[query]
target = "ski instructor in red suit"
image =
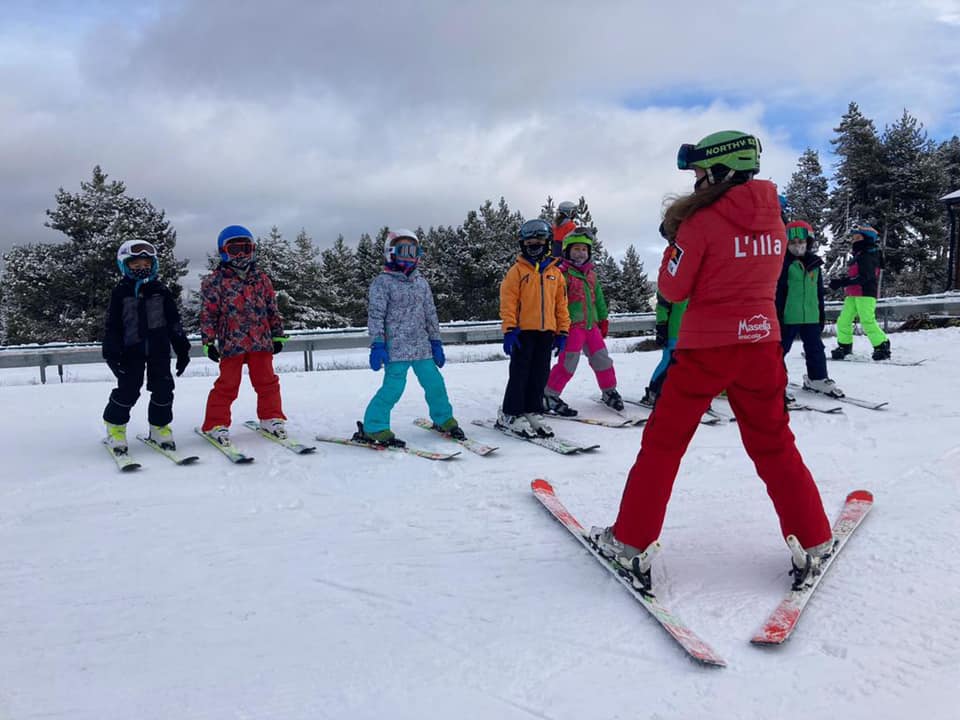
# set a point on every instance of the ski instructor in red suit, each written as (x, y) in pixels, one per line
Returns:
(726, 249)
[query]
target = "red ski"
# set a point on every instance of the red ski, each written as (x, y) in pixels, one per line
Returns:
(688, 640)
(784, 618)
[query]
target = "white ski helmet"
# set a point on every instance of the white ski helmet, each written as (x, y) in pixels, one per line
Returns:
(138, 248)
(389, 251)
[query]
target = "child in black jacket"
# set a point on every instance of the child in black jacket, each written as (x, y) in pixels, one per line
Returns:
(142, 325)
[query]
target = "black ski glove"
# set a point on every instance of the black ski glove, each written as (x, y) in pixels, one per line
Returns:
(661, 339)
(183, 360)
(211, 352)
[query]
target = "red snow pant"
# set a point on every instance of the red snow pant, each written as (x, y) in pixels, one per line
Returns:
(226, 388)
(755, 378)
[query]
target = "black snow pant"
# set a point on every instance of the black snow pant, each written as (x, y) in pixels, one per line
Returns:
(529, 371)
(130, 380)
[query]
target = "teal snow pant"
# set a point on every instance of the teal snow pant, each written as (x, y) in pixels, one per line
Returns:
(377, 416)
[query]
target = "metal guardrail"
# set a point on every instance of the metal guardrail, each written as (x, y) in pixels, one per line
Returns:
(457, 333)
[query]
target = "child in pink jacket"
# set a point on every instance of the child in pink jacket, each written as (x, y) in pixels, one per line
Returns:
(588, 327)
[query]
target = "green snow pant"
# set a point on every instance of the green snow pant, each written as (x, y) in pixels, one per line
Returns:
(377, 416)
(866, 309)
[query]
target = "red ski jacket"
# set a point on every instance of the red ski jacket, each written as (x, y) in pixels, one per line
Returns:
(726, 260)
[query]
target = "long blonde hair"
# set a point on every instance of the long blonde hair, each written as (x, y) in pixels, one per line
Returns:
(680, 207)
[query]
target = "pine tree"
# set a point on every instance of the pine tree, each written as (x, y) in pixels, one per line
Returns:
(69, 301)
(909, 218)
(807, 192)
(860, 171)
(339, 264)
(635, 287)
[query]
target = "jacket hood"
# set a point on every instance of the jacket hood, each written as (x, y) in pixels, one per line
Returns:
(863, 246)
(753, 205)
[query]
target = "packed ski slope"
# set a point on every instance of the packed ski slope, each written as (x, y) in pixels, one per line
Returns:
(354, 584)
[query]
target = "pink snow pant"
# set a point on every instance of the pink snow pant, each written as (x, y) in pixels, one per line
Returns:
(591, 343)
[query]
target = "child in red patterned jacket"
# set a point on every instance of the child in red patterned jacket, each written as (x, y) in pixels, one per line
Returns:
(239, 323)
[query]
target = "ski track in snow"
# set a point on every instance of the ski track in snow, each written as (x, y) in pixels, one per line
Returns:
(350, 584)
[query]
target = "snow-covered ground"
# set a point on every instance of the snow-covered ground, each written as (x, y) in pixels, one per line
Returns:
(353, 584)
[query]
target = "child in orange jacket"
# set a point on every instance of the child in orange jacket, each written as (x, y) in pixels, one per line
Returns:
(536, 320)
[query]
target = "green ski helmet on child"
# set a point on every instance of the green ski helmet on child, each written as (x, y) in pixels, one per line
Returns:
(579, 235)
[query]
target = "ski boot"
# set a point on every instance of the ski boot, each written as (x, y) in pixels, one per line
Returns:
(649, 397)
(162, 435)
(841, 351)
(452, 428)
(554, 405)
(611, 398)
(538, 425)
(826, 386)
(116, 438)
(807, 563)
(381, 437)
(220, 434)
(515, 424)
(276, 427)
(882, 351)
(634, 561)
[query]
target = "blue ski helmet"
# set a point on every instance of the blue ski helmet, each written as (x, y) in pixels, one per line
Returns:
(231, 232)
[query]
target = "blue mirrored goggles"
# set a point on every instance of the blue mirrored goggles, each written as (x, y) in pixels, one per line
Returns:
(406, 251)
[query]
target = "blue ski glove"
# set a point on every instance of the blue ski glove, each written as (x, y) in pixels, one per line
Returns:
(436, 347)
(378, 355)
(559, 343)
(511, 340)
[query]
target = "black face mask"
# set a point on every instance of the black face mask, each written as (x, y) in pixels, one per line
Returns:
(141, 273)
(534, 252)
(241, 263)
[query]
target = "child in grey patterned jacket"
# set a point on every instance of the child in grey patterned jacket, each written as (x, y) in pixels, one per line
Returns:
(405, 333)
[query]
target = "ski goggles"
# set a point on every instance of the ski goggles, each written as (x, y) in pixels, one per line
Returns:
(535, 230)
(797, 233)
(406, 250)
(688, 154)
(143, 249)
(238, 246)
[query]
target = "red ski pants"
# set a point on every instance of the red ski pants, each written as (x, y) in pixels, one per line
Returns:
(226, 388)
(755, 379)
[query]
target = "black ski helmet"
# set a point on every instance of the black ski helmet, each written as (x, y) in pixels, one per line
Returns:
(536, 229)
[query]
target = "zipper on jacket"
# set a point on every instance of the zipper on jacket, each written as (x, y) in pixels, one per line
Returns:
(543, 312)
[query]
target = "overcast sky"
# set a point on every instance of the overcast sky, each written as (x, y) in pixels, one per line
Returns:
(344, 116)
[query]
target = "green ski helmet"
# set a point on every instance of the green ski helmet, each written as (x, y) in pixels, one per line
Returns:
(729, 155)
(579, 234)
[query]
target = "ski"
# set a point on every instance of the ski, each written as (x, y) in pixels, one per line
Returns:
(233, 455)
(122, 457)
(472, 445)
(720, 416)
(782, 621)
(558, 445)
(171, 454)
(799, 407)
(629, 417)
(289, 443)
(688, 640)
(428, 454)
(868, 404)
(592, 421)
(707, 418)
(870, 361)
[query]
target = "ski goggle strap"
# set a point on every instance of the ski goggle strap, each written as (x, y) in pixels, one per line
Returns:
(798, 232)
(688, 154)
(143, 249)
